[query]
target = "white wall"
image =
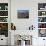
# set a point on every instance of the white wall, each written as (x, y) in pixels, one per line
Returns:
(32, 6)
(23, 24)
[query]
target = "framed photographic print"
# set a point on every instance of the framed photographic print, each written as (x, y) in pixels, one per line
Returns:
(23, 14)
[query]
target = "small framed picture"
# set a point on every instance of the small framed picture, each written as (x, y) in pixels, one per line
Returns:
(23, 14)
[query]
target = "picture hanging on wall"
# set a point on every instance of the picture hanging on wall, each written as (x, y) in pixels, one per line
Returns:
(23, 14)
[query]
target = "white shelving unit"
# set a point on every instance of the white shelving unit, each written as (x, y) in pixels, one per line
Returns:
(4, 23)
(42, 18)
(4, 19)
(4, 12)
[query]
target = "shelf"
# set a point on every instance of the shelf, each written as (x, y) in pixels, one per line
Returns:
(3, 22)
(41, 22)
(42, 16)
(3, 10)
(41, 10)
(4, 19)
(42, 19)
(41, 28)
(3, 16)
